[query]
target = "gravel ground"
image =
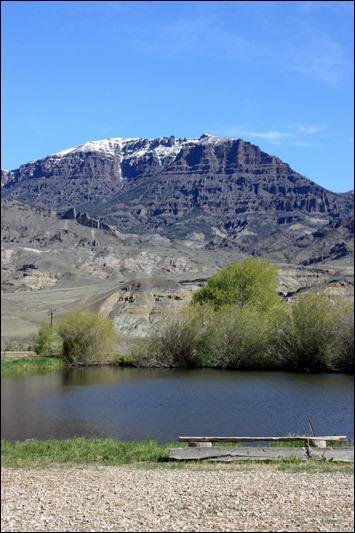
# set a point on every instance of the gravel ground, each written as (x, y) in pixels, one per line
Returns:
(126, 498)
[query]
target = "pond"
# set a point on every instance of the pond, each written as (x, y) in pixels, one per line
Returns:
(134, 404)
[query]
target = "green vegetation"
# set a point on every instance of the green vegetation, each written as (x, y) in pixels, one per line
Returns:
(42, 453)
(14, 346)
(80, 450)
(88, 338)
(47, 341)
(240, 338)
(300, 444)
(179, 340)
(79, 338)
(29, 365)
(237, 321)
(306, 340)
(242, 324)
(343, 337)
(313, 334)
(123, 360)
(313, 466)
(250, 282)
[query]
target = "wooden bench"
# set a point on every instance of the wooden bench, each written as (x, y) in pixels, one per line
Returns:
(320, 442)
(314, 446)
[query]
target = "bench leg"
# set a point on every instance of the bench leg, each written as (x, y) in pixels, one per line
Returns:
(200, 444)
(318, 443)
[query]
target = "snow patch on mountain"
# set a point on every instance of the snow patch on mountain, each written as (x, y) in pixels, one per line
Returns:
(137, 147)
(111, 146)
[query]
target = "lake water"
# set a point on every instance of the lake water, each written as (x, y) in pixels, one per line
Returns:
(134, 404)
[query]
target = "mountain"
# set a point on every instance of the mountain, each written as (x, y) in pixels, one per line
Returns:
(51, 262)
(131, 226)
(5, 177)
(176, 185)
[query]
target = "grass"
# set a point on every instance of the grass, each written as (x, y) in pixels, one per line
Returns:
(82, 451)
(146, 454)
(291, 465)
(29, 365)
(124, 360)
(300, 444)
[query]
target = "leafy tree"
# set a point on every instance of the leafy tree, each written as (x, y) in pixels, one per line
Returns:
(239, 338)
(47, 341)
(178, 340)
(343, 336)
(306, 335)
(88, 338)
(311, 334)
(251, 282)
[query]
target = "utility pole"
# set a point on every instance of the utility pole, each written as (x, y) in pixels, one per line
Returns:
(51, 316)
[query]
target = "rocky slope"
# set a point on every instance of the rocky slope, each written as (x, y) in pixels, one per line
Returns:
(132, 226)
(62, 263)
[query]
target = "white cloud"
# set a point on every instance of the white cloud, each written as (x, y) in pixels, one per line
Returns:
(269, 135)
(317, 56)
(309, 129)
(293, 135)
(309, 52)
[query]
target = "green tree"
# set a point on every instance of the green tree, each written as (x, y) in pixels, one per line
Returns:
(343, 336)
(88, 338)
(306, 335)
(47, 341)
(251, 282)
(178, 340)
(239, 338)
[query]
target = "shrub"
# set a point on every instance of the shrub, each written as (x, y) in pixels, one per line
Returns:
(343, 336)
(47, 341)
(240, 338)
(88, 338)
(251, 282)
(311, 334)
(14, 346)
(179, 340)
(200, 335)
(305, 337)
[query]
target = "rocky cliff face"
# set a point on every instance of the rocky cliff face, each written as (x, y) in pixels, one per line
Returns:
(176, 186)
(5, 177)
(217, 193)
(77, 226)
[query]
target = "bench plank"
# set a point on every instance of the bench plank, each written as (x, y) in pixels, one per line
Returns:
(338, 438)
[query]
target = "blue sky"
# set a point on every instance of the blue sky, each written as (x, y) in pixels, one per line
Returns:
(279, 74)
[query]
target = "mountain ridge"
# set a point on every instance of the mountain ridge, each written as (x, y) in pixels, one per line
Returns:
(227, 191)
(136, 156)
(108, 145)
(133, 237)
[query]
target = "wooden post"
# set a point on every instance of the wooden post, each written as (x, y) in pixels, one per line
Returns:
(311, 427)
(316, 443)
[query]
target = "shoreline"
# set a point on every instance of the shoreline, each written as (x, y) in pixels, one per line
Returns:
(34, 453)
(31, 364)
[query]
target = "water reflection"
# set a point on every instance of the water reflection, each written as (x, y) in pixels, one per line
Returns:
(163, 404)
(90, 376)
